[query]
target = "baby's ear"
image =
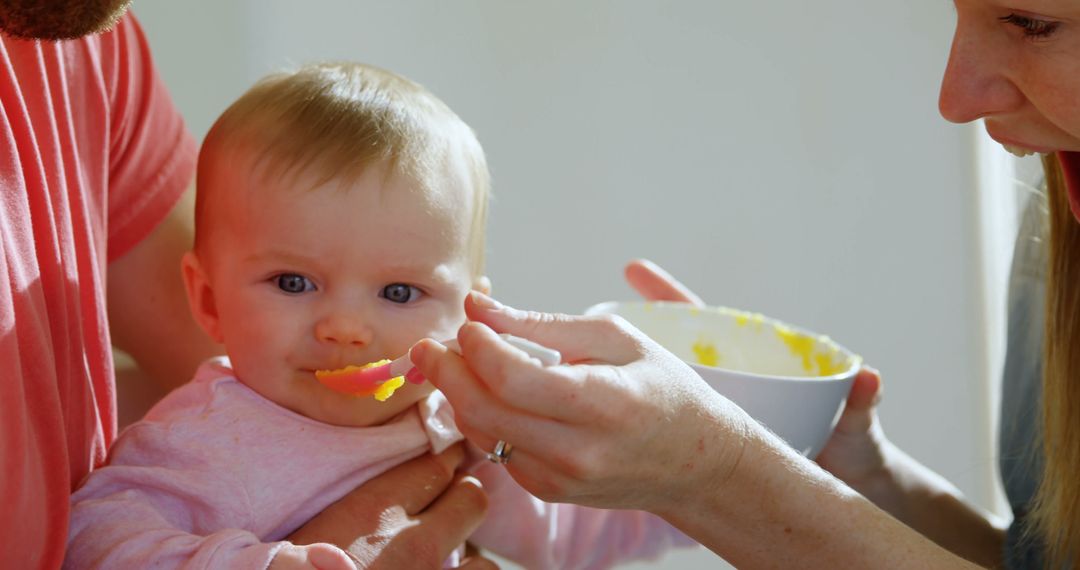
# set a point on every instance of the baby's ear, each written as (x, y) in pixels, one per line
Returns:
(201, 296)
(482, 284)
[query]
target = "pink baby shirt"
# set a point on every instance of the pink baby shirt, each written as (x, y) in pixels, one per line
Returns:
(215, 475)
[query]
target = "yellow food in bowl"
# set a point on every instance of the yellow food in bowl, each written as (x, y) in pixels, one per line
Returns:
(815, 361)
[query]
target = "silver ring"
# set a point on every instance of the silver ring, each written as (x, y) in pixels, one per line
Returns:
(501, 454)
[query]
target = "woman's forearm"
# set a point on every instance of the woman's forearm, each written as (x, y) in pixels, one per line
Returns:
(924, 500)
(775, 509)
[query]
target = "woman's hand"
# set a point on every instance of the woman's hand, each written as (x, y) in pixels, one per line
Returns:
(857, 448)
(412, 516)
(627, 425)
(655, 284)
(855, 453)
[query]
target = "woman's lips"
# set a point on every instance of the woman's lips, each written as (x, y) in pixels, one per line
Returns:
(1017, 147)
(1072, 180)
(1018, 151)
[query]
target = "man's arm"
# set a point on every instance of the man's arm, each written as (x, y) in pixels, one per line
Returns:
(412, 516)
(149, 317)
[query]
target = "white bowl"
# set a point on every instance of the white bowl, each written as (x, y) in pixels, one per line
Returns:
(792, 381)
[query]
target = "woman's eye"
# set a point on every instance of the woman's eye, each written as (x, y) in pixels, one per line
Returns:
(400, 293)
(1032, 28)
(293, 283)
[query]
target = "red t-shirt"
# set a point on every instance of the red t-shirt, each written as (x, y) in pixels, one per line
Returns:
(93, 155)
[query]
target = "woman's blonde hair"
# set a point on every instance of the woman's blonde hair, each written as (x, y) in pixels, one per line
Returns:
(337, 120)
(1057, 503)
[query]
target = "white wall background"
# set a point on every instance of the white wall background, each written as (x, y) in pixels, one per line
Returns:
(785, 157)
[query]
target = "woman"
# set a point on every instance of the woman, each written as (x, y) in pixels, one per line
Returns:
(631, 426)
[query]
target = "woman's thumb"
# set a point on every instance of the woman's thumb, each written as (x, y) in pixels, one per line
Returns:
(866, 391)
(577, 338)
(538, 327)
(864, 397)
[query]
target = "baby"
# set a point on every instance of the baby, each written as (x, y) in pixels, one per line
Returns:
(340, 219)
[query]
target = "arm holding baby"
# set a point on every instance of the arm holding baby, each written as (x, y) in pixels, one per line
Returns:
(176, 494)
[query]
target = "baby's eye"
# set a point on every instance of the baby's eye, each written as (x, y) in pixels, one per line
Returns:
(400, 293)
(293, 283)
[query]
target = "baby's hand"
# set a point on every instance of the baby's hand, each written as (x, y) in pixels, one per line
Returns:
(318, 556)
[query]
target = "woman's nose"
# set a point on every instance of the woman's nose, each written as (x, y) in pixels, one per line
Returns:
(345, 328)
(976, 84)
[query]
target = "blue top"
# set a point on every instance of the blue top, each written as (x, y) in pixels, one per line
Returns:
(1020, 446)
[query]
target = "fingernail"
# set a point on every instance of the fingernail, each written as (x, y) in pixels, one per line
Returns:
(414, 376)
(469, 479)
(484, 302)
(417, 354)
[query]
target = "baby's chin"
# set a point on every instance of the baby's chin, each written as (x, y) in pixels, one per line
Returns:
(363, 411)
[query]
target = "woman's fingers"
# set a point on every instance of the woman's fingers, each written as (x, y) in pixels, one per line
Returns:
(655, 284)
(516, 378)
(506, 413)
(604, 338)
(542, 444)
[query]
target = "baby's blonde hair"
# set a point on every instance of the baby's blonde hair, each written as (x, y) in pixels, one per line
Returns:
(337, 120)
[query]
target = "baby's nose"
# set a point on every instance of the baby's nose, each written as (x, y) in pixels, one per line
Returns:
(344, 329)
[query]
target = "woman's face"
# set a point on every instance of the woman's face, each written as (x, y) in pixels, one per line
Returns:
(1016, 64)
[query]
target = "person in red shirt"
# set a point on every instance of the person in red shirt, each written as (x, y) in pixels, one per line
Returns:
(95, 214)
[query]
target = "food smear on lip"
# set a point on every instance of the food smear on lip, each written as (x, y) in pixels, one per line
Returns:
(388, 388)
(344, 380)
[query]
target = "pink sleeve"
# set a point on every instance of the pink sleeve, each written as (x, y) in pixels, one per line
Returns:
(152, 155)
(128, 532)
(147, 507)
(538, 535)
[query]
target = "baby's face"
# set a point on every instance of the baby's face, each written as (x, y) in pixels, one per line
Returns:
(307, 280)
